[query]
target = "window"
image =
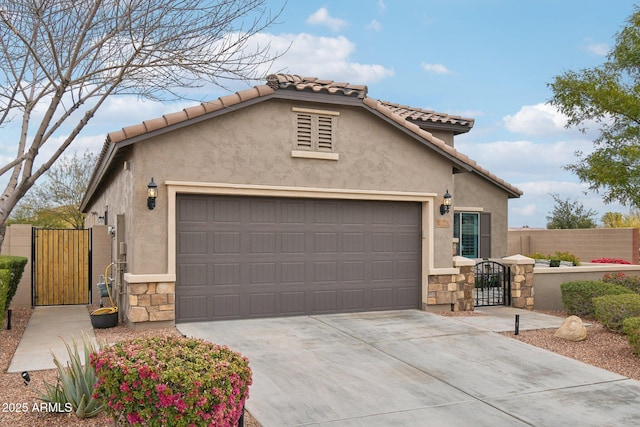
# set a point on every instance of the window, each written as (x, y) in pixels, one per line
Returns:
(473, 231)
(315, 134)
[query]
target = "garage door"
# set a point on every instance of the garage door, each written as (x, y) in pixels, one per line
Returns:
(242, 257)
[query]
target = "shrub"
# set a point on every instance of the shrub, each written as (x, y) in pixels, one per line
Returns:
(5, 282)
(610, 261)
(75, 383)
(611, 310)
(631, 328)
(621, 279)
(11, 269)
(577, 296)
(172, 381)
(558, 256)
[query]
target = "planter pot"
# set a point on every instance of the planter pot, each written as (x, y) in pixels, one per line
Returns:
(102, 321)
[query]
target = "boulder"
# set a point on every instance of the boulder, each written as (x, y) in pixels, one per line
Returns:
(572, 329)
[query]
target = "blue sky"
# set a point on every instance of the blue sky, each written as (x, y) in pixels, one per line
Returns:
(490, 60)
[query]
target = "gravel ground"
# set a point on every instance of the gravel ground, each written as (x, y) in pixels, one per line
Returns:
(602, 348)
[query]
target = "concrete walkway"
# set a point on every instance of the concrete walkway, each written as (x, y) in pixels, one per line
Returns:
(415, 368)
(46, 332)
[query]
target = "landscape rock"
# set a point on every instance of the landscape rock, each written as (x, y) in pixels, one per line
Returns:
(572, 329)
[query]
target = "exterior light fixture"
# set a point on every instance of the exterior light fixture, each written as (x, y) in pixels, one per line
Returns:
(152, 194)
(446, 203)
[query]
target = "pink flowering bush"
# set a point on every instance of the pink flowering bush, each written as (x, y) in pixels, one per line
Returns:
(610, 261)
(172, 381)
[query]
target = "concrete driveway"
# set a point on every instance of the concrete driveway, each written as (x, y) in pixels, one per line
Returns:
(415, 368)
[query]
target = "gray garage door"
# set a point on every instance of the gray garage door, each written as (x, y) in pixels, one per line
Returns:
(243, 257)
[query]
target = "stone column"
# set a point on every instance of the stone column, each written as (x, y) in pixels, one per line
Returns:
(452, 289)
(522, 289)
(151, 305)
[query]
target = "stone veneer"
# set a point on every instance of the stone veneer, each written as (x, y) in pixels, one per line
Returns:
(151, 302)
(522, 293)
(455, 289)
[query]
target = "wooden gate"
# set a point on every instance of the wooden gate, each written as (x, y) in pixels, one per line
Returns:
(61, 267)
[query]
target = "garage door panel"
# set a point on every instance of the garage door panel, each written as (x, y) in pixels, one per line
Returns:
(353, 299)
(325, 301)
(353, 271)
(292, 303)
(382, 242)
(225, 306)
(272, 257)
(226, 274)
(225, 210)
(383, 298)
(325, 242)
(191, 308)
(263, 272)
(193, 274)
(293, 243)
(262, 304)
(226, 242)
(293, 272)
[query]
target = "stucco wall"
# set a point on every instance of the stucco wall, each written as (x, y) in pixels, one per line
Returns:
(253, 146)
(474, 194)
(17, 242)
(548, 280)
(117, 198)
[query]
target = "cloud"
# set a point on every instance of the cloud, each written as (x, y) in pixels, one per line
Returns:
(324, 57)
(322, 17)
(374, 26)
(527, 210)
(538, 120)
(598, 49)
(435, 68)
(523, 160)
(381, 5)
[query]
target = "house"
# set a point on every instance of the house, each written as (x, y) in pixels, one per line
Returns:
(300, 196)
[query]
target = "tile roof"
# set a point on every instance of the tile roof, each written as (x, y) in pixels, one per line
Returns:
(404, 116)
(420, 115)
(313, 84)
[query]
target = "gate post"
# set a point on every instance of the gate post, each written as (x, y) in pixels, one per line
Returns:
(522, 289)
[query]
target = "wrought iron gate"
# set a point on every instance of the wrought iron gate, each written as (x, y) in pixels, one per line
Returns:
(61, 266)
(492, 284)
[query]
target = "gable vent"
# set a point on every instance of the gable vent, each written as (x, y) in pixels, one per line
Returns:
(325, 133)
(304, 132)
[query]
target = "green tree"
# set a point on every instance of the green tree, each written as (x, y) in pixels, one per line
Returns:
(54, 202)
(60, 60)
(619, 220)
(570, 214)
(608, 96)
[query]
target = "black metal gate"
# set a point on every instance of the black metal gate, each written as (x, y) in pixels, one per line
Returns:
(492, 284)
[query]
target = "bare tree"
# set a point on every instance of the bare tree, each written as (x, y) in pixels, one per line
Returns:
(61, 59)
(54, 201)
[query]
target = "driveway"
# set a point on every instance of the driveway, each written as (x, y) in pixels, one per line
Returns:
(415, 368)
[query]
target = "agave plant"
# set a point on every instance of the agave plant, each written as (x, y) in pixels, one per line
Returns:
(75, 382)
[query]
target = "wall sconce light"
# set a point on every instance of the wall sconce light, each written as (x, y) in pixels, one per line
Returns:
(446, 203)
(152, 194)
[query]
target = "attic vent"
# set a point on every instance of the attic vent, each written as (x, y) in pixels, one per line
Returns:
(315, 130)
(304, 132)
